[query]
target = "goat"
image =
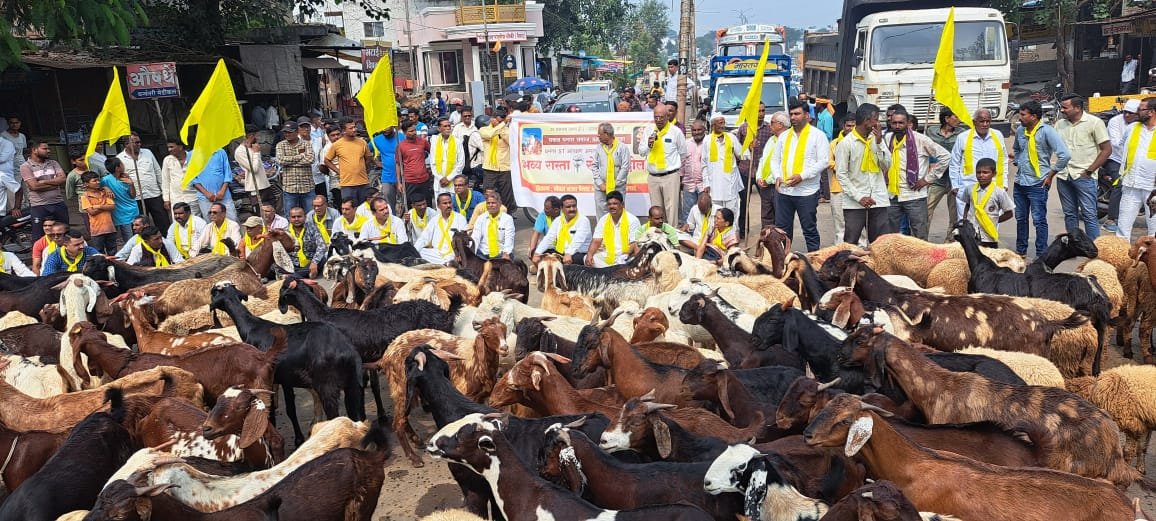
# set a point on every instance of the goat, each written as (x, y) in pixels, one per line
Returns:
(492, 275)
(613, 285)
(32, 298)
(533, 335)
(633, 374)
(126, 276)
(27, 450)
(35, 378)
(737, 345)
(32, 340)
(1027, 494)
(149, 340)
(319, 357)
(743, 396)
(481, 446)
(762, 479)
(640, 426)
(551, 276)
(246, 437)
(881, 501)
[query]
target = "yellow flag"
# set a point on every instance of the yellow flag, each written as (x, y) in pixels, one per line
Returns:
(112, 122)
(943, 85)
(750, 112)
(378, 99)
(218, 120)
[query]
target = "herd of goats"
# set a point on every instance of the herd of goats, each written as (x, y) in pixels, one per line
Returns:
(909, 381)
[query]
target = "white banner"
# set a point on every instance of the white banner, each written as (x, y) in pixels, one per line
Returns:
(553, 153)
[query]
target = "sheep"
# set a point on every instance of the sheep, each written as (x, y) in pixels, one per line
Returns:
(188, 294)
(1114, 250)
(1128, 394)
(439, 291)
(1034, 369)
(896, 254)
(1105, 274)
(35, 378)
(551, 275)
(452, 515)
(473, 373)
(13, 319)
(1139, 301)
(201, 319)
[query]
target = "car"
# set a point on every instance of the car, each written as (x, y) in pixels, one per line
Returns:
(596, 101)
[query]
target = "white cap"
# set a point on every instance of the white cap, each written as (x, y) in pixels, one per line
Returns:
(1132, 105)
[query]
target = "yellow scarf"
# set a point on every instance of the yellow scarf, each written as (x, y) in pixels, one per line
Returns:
(321, 228)
(250, 245)
(386, 233)
(219, 233)
(1033, 152)
(493, 245)
(729, 160)
(718, 238)
(980, 208)
(183, 248)
(440, 163)
(564, 237)
(444, 243)
(1133, 144)
(492, 155)
(868, 164)
(302, 260)
(355, 226)
(159, 259)
(51, 247)
(765, 171)
(610, 164)
(418, 222)
(800, 151)
(615, 245)
(969, 157)
(657, 154)
(464, 207)
(72, 265)
(893, 172)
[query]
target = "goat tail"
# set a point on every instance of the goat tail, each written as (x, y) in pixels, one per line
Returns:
(378, 435)
(115, 397)
(456, 302)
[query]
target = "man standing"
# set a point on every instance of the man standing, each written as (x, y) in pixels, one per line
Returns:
(610, 245)
(838, 224)
(435, 244)
(1111, 170)
(753, 158)
(665, 150)
(825, 121)
(385, 143)
(910, 170)
(448, 157)
(412, 154)
(145, 171)
(496, 164)
(858, 172)
(212, 184)
(311, 248)
(568, 236)
(384, 227)
(173, 174)
(185, 230)
(1034, 145)
(349, 156)
(494, 232)
(721, 177)
(322, 217)
(801, 155)
(1128, 75)
(1086, 137)
(692, 184)
(296, 158)
(43, 177)
(611, 166)
(971, 146)
(1138, 175)
(153, 250)
(764, 179)
(305, 132)
(17, 138)
(221, 235)
(8, 172)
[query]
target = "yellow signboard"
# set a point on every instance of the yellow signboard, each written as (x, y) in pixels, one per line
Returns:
(748, 65)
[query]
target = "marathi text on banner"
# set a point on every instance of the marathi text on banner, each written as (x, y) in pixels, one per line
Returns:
(152, 80)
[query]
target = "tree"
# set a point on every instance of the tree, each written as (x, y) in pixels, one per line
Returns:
(586, 25)
(1061, 14)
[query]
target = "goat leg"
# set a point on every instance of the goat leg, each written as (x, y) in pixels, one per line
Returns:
(1124, 335)
(1147, 324)
(375, 386)
(1143, 451)
(407, 438)
(291, 411)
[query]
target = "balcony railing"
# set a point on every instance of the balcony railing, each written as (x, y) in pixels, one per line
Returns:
(493, 14)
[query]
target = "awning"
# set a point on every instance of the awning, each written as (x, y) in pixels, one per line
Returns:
(69, 60)
(321, 63)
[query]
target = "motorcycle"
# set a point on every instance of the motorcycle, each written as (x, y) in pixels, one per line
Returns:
(14, 237)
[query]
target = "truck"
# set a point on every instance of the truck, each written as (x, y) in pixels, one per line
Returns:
(884, 53)
(732, 70)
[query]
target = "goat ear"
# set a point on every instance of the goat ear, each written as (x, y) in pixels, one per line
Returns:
(661, 437)
(557, 358)
(420, 358)
(724, 399)
(857, 435)
(536, 378)
(255, 423)
(789, 303)
(842, 316)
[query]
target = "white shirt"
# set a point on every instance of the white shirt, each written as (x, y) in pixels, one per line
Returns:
(19, 141)
(208, 238)
(125, 249)
(13, 265)
(481, 234)
(364, 210)
(7, 157)
(1116, 128)
(580, 236)
(195, 225)
(925, 148)
(318, 143)
(671, 90)
(633, 227)
(279, 223)
(1128, 73)
(148, 184)
(372, 231)
(764, 171)
(448, 171)
(172, 174)
(349, 229)
(816, 158)
(983, 147)
(418, 228)
(674, 149)
(434, 244)
(724, 186)
(1142, 173)
(169, 250)
(697, 221)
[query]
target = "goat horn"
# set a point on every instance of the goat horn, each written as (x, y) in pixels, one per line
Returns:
(807, 371)
(651, 407)
(872, 408)
(576, 423)
(648, 397)
(867, 494)
(828, 385)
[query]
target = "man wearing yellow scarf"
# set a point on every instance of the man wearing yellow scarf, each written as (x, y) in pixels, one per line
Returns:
(494, 232)
(446, 157)
(865, 197)
(384, 227)
(664, 148)
(912, 162)
(185, 230)
(613, 234)
(350, 221)
(611, 166)
(1034, 145)
(720, 172)
(153, 250)
(311, 248)
(971, 146)
(436, 243)
(323, 217)
(496, 151)
(1138, 173)
(70, 256)
(798, 160)
(218, 233)
(569, 234)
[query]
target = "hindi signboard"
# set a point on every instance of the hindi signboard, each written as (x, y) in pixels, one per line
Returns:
(370, 55)
(152, 80)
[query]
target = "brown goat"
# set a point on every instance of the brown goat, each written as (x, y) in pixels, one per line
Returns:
(650, 324)
(878, 501)
(217, 367)
(632, 373)
(1073, 435)
(938, 481)
(641, 420)
(473, 369)
(551, 277)
(27, 451)
(176, 420)
(149, 340)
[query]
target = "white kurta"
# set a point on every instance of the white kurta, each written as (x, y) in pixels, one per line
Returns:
(188, 234)
(434, 244)
(481, 234)
(633, 227)
(580, 236)
(372, 231)
(441, 146)
(724, 186)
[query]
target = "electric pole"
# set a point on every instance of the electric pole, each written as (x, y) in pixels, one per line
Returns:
(412, 51)
(685, 40)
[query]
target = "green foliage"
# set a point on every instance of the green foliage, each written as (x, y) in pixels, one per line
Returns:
(582, 25)
(96, 22)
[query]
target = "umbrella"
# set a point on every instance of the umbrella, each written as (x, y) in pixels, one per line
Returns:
(529, 84)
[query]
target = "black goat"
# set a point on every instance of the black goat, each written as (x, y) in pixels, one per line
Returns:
(9, 282)
(319, 357)
(31, 298)
(71, 480)
(370, 331)
(589, 280)
(126, 276)
(736, 344)
(1082, 293)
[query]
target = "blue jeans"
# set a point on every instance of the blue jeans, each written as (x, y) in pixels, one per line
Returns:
(230, 208)
(1032, 199)
(1078, 199)
(290, 201)
(689, 199)
(806, 206)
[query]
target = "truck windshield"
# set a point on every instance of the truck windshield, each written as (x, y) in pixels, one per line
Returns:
(730, 97)
(901, 46)
(749, 49)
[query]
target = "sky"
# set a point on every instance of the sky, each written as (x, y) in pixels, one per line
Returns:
(716, 14)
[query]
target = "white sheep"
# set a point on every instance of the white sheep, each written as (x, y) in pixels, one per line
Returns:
(78, 297)
(1033, 369)
(1108, 278)
(13, 319)
(1128, 394)
(452, 515)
